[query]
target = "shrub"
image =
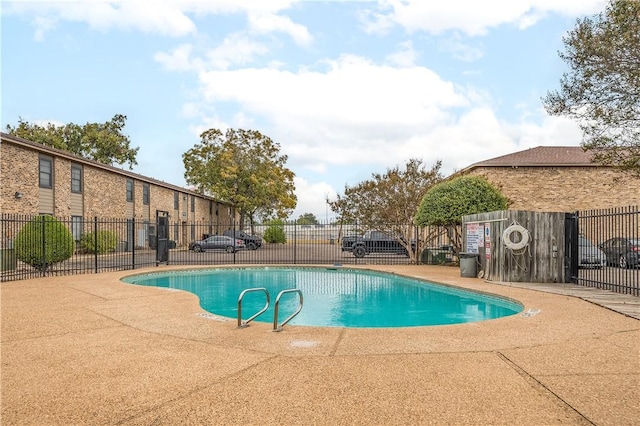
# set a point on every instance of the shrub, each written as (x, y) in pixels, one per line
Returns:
(106, 242)
(43, 242)
(446, 203)
(275, 232)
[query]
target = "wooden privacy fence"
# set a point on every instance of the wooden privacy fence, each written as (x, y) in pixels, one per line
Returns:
(548, 247)
(535, 246)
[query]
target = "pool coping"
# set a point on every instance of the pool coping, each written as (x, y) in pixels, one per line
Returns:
(91, 349)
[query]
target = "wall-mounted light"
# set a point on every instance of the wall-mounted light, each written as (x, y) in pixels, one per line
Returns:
(18, 195)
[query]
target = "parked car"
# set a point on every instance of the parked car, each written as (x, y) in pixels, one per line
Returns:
(590, 256)
(218, 242)
(374, 242)
(623, 252)
(252, 242)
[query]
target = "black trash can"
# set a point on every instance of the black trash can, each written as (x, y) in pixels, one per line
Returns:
(469, 265)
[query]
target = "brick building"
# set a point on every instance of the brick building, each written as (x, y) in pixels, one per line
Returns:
(557, 179)
(36, 179)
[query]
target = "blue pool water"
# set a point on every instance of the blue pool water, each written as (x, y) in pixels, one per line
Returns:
(333, 297)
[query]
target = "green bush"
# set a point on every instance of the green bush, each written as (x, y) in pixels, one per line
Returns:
(107, 241)
(445, 203)
(43, 242)
(275, 232)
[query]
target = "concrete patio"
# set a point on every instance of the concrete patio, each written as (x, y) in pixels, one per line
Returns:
(89, 349)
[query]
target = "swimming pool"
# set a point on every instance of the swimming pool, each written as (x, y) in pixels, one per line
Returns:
(333, 297)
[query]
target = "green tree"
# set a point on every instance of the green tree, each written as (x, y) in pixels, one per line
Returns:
(100, 243)
(244, 168)
(446, 203)
(388, 202)
(275, 232)
(602, 89)
(43, 242)
(307, 219)
(101, 142)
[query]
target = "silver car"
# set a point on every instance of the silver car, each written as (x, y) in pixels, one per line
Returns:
(590, 256)
(218, 242)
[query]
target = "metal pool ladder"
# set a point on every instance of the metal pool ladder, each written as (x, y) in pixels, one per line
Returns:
(276, 326)
(242, 324)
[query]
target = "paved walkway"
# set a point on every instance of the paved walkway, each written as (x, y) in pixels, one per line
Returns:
(622, 303)
(89, 349)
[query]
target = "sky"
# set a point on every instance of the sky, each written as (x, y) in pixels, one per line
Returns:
(346, 88)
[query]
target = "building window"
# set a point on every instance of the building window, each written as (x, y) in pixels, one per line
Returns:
(193, 204)
(145, 194)
(46, 173)
(76, 178)
(130, 190)
(176, 200)
(76, 227)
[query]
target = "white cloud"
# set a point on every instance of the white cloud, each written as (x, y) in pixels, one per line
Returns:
(169, 18)
(471, 17)
(180, 59)
(43, 25)
(352, 93)
(236, 49)
(355, 109)
(463, 51)
(551, 131)
(312, 199)
(146, 16)
(405, 56)
(368, 116)
(270, 22)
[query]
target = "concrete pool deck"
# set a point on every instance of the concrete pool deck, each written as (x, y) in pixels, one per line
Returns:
(89, 349)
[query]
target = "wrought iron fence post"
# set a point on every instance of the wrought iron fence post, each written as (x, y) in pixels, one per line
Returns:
(357, 233)
(235, 231)
(416, 250)
(44, 247)
(133, 244)
(95, 244)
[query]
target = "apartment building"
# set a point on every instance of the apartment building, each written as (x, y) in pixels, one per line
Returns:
(36, 179)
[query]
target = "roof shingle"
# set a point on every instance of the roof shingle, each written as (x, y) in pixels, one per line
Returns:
(541, 156)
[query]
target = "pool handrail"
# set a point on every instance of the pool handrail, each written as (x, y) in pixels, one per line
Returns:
(242, 324)
(277, 327)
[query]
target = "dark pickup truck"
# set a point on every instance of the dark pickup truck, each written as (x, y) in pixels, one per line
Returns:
(252, 242)
(372, 242)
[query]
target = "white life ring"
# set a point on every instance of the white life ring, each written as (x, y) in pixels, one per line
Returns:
(524, 237)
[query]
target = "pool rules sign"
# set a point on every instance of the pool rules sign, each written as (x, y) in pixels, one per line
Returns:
(474, 237)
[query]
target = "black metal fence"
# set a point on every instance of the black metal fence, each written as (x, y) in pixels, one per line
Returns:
(608, 252)
(609, 249)
(99, 245)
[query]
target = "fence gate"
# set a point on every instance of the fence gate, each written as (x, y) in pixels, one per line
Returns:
(162, 237)
(571, 247)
